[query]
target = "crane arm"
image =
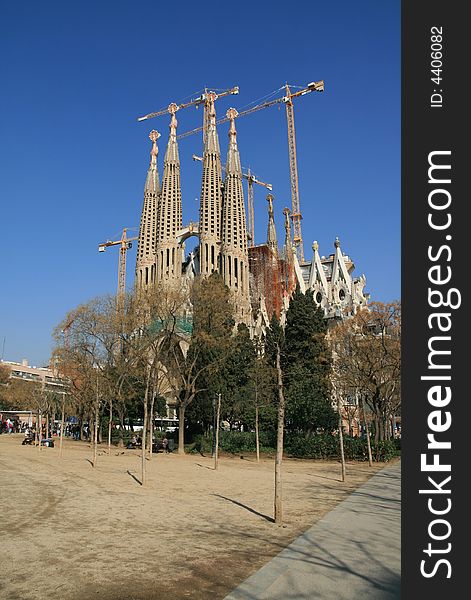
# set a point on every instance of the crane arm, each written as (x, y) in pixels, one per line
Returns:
(247, 176)
(315, 86)
(101, 247)
(225, 119)
(269, 186)
(164, 111)
(193, 102)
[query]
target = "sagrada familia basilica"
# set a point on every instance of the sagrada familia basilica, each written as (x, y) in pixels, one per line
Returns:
(261, 277)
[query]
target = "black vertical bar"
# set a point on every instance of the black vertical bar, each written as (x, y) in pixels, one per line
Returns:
(434, 120)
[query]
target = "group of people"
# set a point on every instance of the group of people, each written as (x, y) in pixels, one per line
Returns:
(136, 442)
(12, 426)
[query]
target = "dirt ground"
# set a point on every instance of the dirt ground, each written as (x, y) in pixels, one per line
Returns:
(72, 532)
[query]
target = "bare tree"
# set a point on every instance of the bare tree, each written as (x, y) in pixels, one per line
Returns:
(367, 351)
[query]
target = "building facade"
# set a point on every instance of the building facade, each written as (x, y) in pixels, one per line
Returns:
(261, 277)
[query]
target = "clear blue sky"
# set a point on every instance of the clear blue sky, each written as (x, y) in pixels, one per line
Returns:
(73, 158)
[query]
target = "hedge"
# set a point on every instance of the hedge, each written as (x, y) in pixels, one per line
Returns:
(321, 446)
(327, 446)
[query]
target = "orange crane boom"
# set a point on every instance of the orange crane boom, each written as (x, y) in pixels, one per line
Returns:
(125, 244)
(287, 99)
(202, 99)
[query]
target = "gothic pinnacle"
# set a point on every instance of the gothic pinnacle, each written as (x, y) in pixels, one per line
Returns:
(172, 148)
(172, 109)
(286, 212)
(154, 136)
(288, 241)
(212, 142)
(232, 114)
(233, 158)
(272, 242)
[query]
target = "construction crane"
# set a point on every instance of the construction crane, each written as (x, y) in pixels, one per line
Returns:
(202, 99)
(125, 244)
(287, 100)
(251, 179)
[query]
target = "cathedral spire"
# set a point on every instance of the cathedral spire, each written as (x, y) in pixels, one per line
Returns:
(145, 269)
(234, 255)
(211, 138)
(211, 195)
(171, 156)
(169, 221)
(288, 247)
(289, 256)
(152, 181)
(272, 241)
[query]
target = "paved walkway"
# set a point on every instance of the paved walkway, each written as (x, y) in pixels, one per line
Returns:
(353, 553)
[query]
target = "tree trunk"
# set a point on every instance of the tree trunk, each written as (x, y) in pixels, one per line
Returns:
(368, 441)
(151, 424)
(110, 426)
(181, 428)
(80, 424)
(342, 453)
(279, 442)
(144, 429)
(120, 411)
(40, 429)
(95, 433)
(213, 444)
(100, 429)
(377, 420)
(216, 449)
(62, 426)
(257, 439)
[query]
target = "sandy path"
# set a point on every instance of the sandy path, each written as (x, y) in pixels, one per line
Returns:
(72, 532)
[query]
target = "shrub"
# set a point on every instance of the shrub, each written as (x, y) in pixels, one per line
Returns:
(321, 446)
(327, 446)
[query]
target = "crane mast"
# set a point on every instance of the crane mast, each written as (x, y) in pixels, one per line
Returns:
(251, 179)
(122, 264)
(124, 245)
(250, 209)
(293, 170)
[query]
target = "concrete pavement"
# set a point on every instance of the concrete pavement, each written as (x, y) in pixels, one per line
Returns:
(354, 552)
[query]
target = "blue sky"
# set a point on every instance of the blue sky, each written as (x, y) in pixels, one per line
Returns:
(73, 158)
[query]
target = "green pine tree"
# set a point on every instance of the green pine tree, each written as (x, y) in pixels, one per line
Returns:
(307, 367)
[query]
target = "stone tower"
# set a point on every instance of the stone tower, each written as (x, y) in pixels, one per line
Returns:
(234, 256)
(288, 256)
(168, 259)
(272, 241)
(145, 262)
(211, 196)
